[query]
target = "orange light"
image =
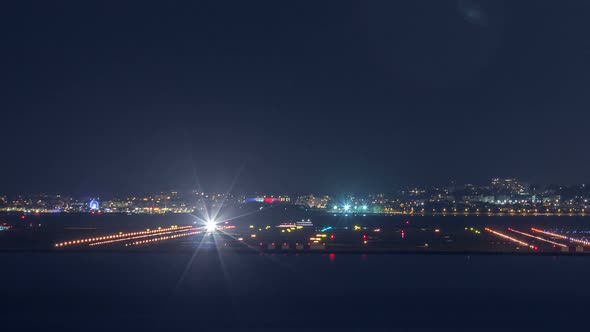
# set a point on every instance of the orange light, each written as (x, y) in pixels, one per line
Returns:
(538, 238)
(586, 243)
(508, 237)
(120, 235)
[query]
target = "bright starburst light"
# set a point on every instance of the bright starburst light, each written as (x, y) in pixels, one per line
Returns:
(210, 226)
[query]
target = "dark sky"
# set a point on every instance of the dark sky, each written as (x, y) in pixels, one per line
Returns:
(292, 96)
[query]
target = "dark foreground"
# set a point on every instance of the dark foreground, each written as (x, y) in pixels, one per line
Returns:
(167, 291)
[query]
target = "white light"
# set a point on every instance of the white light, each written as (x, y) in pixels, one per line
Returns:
(346, 207)
(210, 226)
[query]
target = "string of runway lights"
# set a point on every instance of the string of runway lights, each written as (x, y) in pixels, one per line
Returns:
(538, 238)
(120, 235)
(163, 238)
(510, 238)
(139, 237)
(586, 243)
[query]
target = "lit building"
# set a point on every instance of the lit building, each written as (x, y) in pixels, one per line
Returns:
(510, 185)
(268, 199)
(312, 201)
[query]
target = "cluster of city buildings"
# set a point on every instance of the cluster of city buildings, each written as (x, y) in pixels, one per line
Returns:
(499, 196)
(158, 203)
(163, 202)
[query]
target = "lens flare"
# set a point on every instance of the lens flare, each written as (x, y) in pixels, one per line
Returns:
(210, 226)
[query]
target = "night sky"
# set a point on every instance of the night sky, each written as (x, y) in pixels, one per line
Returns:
(292, 96)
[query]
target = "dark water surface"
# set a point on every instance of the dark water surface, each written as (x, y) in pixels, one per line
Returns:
(205, 292)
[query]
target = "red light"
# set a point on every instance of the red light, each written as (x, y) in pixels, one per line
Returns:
(22, 217)
(332, 236)
(536, 248)
(364, 236)
(407, 222)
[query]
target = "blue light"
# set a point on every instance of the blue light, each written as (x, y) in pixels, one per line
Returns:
(93, 205)
(326, 229)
